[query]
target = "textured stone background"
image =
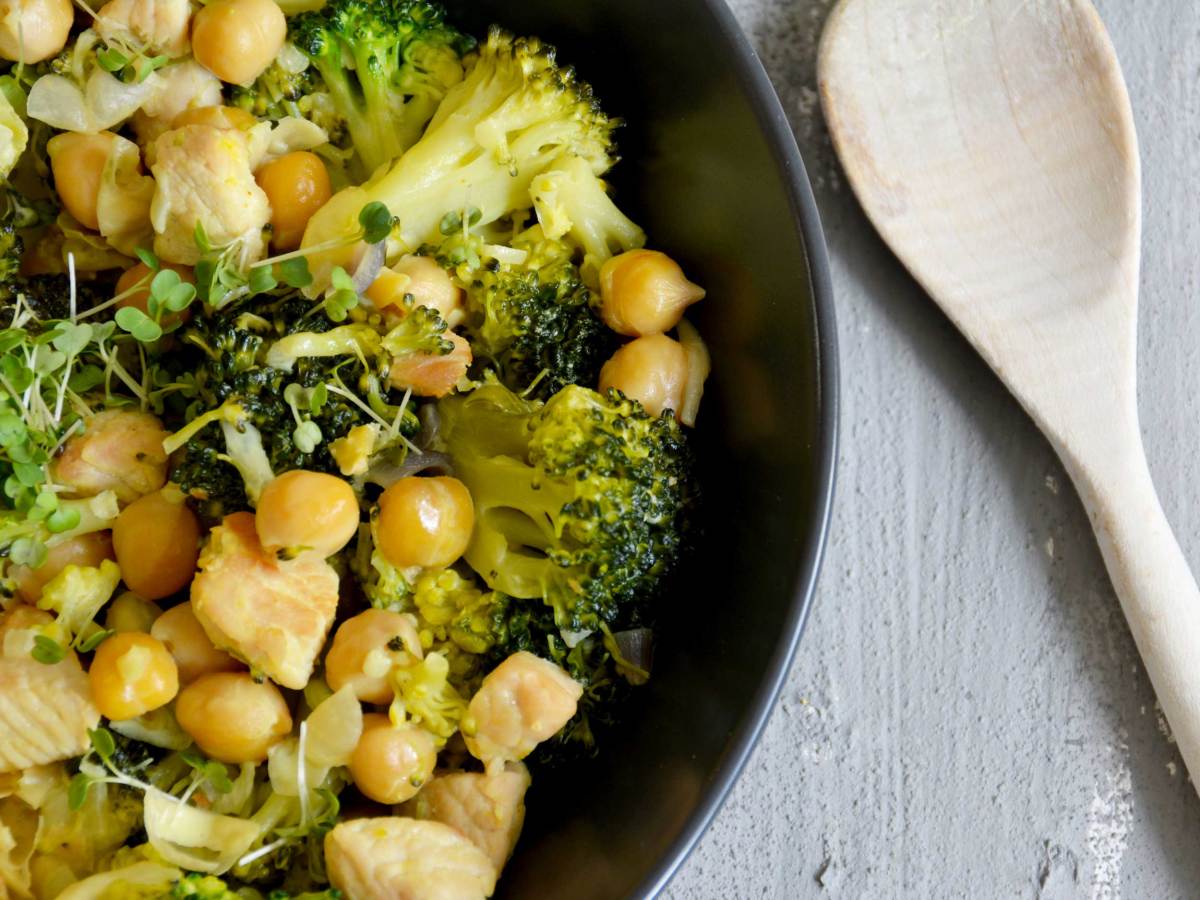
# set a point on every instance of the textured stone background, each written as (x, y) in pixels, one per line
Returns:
(967, 716)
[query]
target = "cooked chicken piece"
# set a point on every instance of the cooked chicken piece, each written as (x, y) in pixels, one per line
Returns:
(522, 702)
(487, 809)
(432, 376)
(203, 176)
(45, 712)
(186, 85)
(273, 614)
(158, 26)
(403, 859)
(119, 451)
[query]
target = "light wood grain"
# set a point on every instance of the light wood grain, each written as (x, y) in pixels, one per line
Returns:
(992, 144)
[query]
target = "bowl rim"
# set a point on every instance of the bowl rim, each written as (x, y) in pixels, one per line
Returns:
(774, 123)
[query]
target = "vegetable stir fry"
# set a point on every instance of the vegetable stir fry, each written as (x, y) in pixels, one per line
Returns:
(343, 446)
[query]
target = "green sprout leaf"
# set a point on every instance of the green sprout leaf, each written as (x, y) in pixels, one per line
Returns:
(111, 60)
(103, 744)
(307, 436)
(295, 273)
(376, 221)
(47, 651)
(62, 520)
(138, 324)
(77, 790)
(91, 643)
(148, 259)
(261, 280)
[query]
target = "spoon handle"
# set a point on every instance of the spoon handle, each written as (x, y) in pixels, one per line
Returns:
(1154, 583)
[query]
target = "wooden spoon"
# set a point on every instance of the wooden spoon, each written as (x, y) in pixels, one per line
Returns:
(992, 144)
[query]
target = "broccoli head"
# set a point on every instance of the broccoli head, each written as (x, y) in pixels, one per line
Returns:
(581, 501)
(279, 92)
(225, 362)
(514, 114)
(386, 65)
(535, 322)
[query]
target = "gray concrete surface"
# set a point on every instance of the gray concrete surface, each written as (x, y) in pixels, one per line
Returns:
(968, 716)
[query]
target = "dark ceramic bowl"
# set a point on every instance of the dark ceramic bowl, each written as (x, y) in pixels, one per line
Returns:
(711, 170)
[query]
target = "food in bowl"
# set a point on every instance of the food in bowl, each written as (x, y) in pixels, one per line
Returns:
(343, 443)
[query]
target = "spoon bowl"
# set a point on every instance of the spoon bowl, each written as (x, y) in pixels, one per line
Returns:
(993, 146)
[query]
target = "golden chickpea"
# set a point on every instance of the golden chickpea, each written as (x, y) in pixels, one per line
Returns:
(131, 674)
(227, 118)
(296, 185)
(652, 370)
(232, 717)
(392, 762)
(237, 39)
(425, 522)
(644, 292)
(129, 612)
(77, 162)
(185, 638)
(355, 640)
(303, 511)
(87, 550)
(424, 280)
(34, 30)
(157, 541)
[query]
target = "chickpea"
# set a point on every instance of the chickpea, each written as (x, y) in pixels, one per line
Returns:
(644, 292)
(232, 717)
(425, 281)
(301, 511)
(140, 297)
(297, 185)
(355, 640)
(131, 674)
(425, 522)
(392, 762)
(129, 612)
(237, 39)
(227, 118)
(34, 30)
(87, 550)
(185, 638)
(157, 540)
(77, 162)
(119, 451)
(652, 370)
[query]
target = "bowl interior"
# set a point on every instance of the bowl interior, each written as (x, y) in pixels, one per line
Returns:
(711, 187)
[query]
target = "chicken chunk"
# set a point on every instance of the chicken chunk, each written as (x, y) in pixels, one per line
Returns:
(522, 702)
(203, 177)
(186, 85)
(45, 711)
(488, 810)
(432, 376)
(119, 451)
(160, 26)
(273, 614)
(404, 859)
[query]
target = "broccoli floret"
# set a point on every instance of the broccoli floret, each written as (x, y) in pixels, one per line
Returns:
(386, 64)
(224, 358)
(514, 114)
(426, 696)
(421, 331)
(571, 201)
(202, 887)
(535, 322)
(279, 92)
(581, 502)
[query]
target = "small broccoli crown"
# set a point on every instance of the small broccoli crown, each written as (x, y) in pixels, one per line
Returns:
(581, 501)
(202, 887)
(12, 248)
(224, 357)
(385, 64)
(422, 330)
(279, 92)
(538, 325)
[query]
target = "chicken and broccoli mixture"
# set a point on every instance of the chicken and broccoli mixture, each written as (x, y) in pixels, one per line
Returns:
(342, 444)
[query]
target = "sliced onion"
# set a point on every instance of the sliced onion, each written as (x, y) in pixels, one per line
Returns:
(368, 267)
(386, 474)
(636, 647)
(699, 365)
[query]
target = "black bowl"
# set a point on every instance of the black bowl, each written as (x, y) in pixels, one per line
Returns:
(711, 170)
